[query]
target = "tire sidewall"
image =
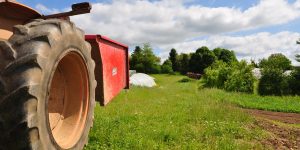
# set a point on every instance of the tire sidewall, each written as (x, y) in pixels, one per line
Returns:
(59, 51)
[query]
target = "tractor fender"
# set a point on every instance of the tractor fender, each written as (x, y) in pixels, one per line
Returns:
(13, 13)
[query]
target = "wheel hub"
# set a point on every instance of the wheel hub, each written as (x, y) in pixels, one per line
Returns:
(68, 101)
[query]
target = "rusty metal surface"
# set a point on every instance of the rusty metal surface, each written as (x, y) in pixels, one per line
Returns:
(13, 13)
(112, 71)
(17, 11)
(6, 27)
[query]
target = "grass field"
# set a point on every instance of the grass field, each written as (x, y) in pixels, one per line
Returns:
(272, 103)
(177, 115)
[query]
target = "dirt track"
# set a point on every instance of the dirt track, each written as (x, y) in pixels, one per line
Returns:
(290, 118)
(281, 136)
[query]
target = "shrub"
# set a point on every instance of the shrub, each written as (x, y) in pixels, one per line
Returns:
(272, 82)
(241, 78)
(167, 67)
(183, 80)
(294, 82)
(275, 82)
(155, 69)
(231, 77)
(216, 75)
(139, 68)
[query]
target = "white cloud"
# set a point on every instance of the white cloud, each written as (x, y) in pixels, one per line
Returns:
(255, 46)
(166, 24)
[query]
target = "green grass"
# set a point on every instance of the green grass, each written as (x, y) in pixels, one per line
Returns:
(174, 115)
(272, 103)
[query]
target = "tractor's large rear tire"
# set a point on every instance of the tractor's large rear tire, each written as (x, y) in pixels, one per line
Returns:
(47, 87)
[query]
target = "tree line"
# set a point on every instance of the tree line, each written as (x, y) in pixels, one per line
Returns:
(221, 69)
(144, 60)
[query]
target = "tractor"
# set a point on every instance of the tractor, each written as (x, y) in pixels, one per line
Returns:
(51, 75)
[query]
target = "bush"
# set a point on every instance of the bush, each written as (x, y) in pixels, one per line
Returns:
(241, 78)
(294, 82)
(275, 82)
(231, 77)
(155, 69)
(216, 75)
(183, 80)
(167, 67)
(139, 68)
(272, 82)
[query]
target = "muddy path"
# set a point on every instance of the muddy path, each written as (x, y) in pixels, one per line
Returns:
(290, 118)
(279, 126)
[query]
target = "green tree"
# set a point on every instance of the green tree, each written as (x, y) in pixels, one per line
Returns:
(201, 59)
(273, 81)
(217, 52)
(144, 60)
(253, 63)
(150, 61)
(135, 61)
(183, 60)
(236, 76)
(167, 67)
(217, 74)
(278, 61)
(241, 78)
(139, 67)
(294, 82)
(173, 57)
(225, 55)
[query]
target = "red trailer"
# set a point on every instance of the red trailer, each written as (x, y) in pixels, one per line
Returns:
(111, 70)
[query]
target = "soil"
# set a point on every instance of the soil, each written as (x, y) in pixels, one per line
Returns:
(279, 125)
(290, 118)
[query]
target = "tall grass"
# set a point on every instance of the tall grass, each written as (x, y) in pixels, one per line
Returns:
(272, 103)
(173, 115)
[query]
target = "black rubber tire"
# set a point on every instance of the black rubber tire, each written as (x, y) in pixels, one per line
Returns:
(27, 61)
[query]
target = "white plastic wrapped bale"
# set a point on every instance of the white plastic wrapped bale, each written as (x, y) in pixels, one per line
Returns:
(143, 80)
(288, 72)
(256, 73)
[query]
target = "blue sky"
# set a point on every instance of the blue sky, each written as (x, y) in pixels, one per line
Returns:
(261, 27)
(61, 4)
(293, 26)
(241, 4)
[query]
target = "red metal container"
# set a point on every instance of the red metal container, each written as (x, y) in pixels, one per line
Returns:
(112, 68)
